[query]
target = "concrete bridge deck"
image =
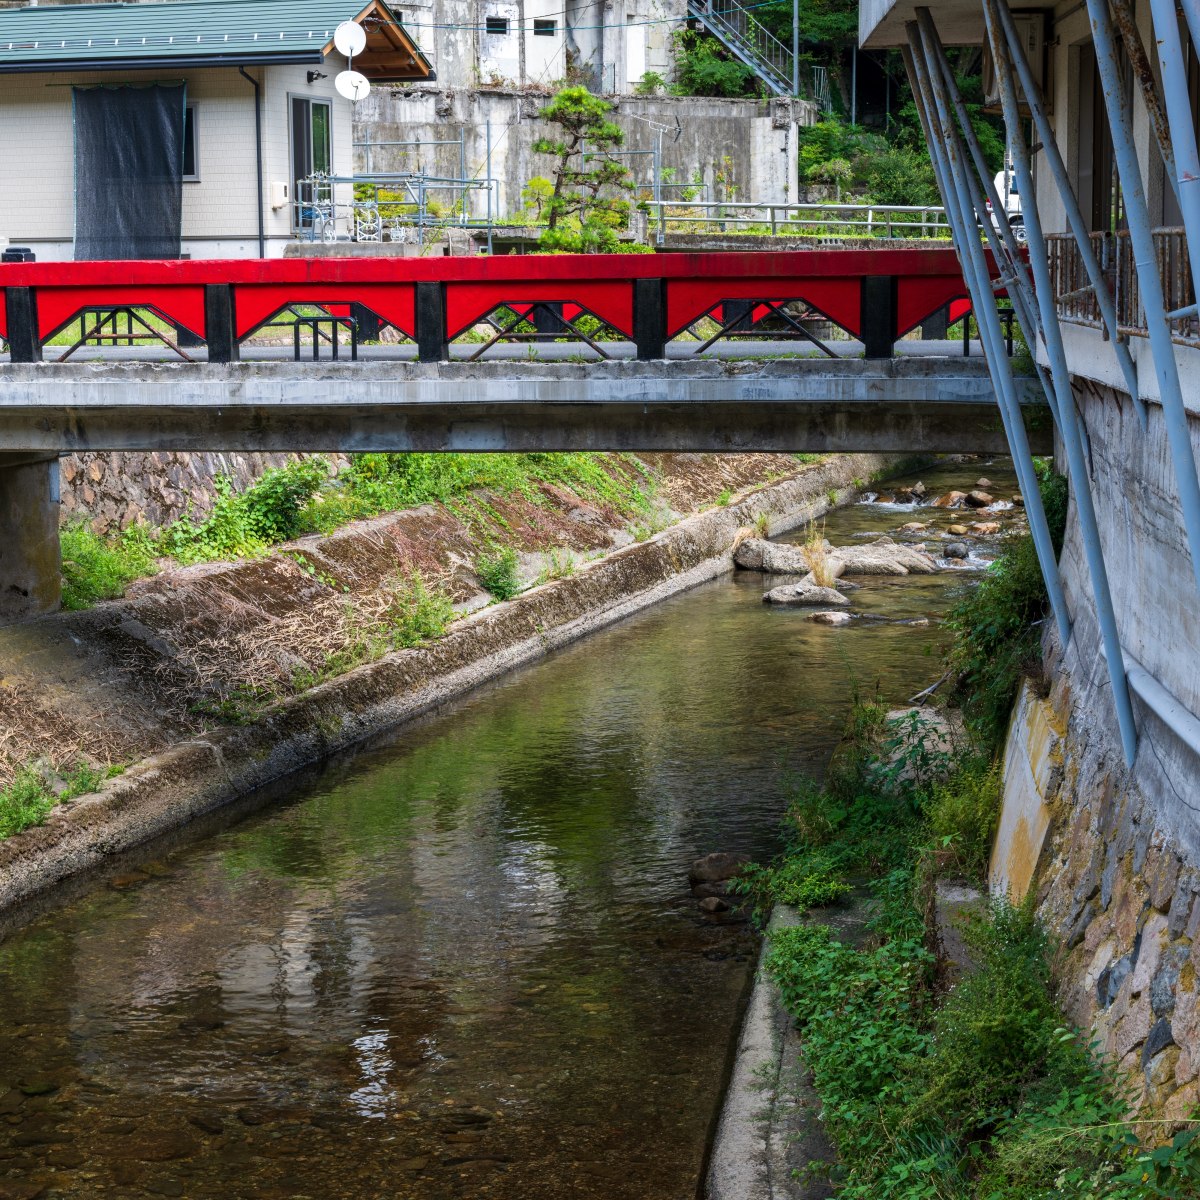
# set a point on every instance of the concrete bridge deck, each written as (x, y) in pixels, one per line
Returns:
(815, 405)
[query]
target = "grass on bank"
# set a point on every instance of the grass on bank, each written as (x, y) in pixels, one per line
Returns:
(304, 497)
(28, 799)
(979, 1092)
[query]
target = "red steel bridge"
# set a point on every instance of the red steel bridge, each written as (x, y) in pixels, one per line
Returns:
(875, 296)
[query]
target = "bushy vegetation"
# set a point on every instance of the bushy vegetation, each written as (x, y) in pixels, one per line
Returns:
(303, 498)
(95, 568)
(703, 67)
(997, 637)
(28, 799)
(979, 1092)
(497, 571)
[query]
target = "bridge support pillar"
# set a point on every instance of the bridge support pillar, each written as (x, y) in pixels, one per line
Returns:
(433, 343)
(30, 559)
(878, 324)
(220, 323)
(650, 318)
(24, 340)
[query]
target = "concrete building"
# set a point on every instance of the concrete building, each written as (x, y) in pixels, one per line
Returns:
(1100, 105)
(150, 130)
(497, 61)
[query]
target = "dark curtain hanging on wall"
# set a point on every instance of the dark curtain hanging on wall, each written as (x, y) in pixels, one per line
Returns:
(128, 171)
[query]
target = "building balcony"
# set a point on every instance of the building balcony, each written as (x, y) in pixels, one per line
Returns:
(1076, 300)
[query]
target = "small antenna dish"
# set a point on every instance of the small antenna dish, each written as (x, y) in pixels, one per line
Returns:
(353, 85)
(350, 38)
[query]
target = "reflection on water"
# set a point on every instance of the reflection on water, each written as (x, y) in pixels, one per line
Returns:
(466, 964)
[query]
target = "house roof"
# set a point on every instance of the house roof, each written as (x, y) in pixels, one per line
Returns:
(203, 33)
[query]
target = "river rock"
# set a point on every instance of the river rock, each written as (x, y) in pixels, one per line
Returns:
(957, 530)
(714, 904)
(1018, 500)
(830, 618)
(716, 867)
(806, 594)
(983, 483)
(918, 490)
(882, 557)
(986, 528)
(913, 527)
(956, 550)
(978, 499)
(757, 554)
(950, 500)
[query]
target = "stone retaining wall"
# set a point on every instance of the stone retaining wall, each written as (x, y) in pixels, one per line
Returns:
(1117, 850)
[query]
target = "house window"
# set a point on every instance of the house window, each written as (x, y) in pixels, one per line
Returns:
(544, 28)
(191, 154)
(311, 155)
(497, 25)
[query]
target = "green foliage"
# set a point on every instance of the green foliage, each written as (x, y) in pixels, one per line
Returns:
(997, 639)
(963, 813)
(417, 613)
(24, 803)
(246, 524)
(901, 175)
(28, 799)
(379, 483)
(497, 572)
(650, 84)
(976, 1093)
(703, 67)
(587, 209)
(95, 568)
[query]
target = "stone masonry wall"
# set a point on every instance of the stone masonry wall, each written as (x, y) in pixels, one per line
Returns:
(110, 492)
(1117, 849)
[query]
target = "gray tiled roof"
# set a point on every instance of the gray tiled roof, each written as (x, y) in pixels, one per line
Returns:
(179, 33)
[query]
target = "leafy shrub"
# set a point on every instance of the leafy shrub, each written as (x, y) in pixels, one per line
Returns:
(95, 568)
(246, 524)
(24, 803)
(417, 613)
(703, 67)
(997, 639)
(901, 176)
(28, 799)
(497, 572)
(963, 813)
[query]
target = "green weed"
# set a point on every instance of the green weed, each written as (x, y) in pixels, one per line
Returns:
(95, 568)
(29, 798)
(497, 571)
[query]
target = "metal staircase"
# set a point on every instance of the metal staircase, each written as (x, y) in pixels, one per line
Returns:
(749, 40)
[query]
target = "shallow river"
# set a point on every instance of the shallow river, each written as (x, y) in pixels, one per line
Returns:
(465, 963)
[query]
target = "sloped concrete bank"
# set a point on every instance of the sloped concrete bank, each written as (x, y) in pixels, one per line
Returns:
(105, 669)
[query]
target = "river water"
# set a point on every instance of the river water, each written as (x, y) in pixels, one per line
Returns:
(466, 963)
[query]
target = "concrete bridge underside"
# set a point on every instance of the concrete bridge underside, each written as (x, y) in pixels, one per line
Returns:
(943, 404)
(782, 406)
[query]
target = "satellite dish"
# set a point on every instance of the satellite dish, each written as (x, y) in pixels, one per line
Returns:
(350, 38)
(353, 85)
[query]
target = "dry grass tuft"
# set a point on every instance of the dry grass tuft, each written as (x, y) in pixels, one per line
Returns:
(816, 553)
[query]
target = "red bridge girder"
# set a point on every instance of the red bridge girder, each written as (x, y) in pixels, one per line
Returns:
(829, 281)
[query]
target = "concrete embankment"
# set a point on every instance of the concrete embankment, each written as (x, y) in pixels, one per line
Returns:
(107, 682)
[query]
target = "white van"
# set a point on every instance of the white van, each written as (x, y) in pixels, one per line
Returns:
(1005, 184)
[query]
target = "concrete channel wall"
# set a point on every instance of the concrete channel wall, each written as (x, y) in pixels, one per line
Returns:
(105, 665)
(1112, 853)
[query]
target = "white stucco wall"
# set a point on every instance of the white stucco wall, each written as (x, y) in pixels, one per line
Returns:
(37, 203)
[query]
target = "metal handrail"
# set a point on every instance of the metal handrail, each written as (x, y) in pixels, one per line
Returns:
(1075, 298)
(750, 40)
(875, 219)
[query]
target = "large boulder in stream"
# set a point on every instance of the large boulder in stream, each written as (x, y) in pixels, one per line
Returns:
(776, 558)
(882, 557)
(717, 867)
(806, 594)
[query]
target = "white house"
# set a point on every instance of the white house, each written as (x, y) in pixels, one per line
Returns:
(155, 130)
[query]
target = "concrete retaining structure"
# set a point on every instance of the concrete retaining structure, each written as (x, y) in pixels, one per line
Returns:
(104, 665)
